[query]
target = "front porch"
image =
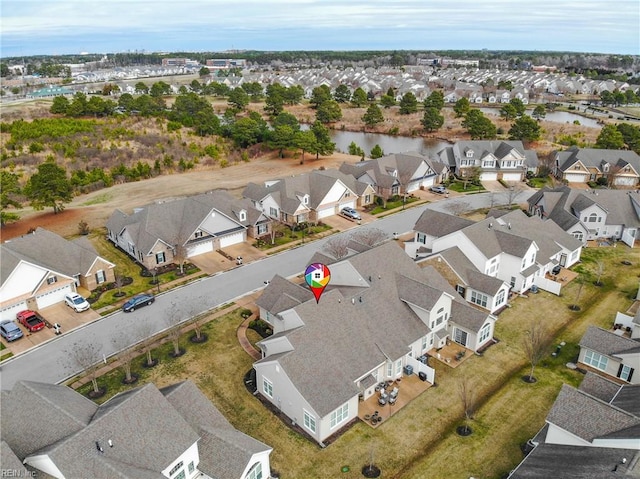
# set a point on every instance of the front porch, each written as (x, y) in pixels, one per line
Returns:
(409, 387)
(452, 354)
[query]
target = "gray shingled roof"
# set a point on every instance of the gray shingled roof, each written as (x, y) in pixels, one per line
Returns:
(47, 249)
(54, 411)
(174, 221)
(628, 399)
(606, 342)
(11, 462)
(588, 417)
(271, 298)
(437, 224)
(572, 462)
(354, 324)
(594, 158)
(599, 387)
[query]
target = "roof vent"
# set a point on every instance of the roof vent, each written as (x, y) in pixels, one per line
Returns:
(489, 226)
(360, 299)
(353, 300)
(369, 278)
(99, 447)
(110, 442)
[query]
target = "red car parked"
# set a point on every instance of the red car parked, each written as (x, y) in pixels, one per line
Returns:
(30, 320)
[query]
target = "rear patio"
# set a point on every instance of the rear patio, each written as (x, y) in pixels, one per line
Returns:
(409, 387)
(452, 354)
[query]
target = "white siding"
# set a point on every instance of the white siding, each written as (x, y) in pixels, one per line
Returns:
(24, 279)
(186, 457)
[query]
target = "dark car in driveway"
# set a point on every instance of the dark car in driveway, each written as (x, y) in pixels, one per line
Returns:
(138, 301)
(10, 331)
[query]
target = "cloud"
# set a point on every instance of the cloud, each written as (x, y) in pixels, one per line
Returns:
(581, 25)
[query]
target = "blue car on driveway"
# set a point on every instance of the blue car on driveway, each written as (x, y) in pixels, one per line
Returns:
(138, 301)
(10, 331)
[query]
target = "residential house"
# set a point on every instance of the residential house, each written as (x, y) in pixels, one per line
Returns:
(590, 215)
(630, 324)
(512, 247)
(308, 197)
(57, 432)
(592, 431)
(380, 313)
(494, 160)
(581, 165)
(39, 268)
(397, 174)
(174, 230)
(611, 354)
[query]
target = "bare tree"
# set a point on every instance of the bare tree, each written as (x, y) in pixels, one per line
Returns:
(198, 321)
(337, 246)
(85, 357)
(180, 255)
(370, 236)
(467, 395)
(458, 208)
(534, 344)
(126, 354)
(175, 330)
(512, 192)
(145, 332)
(580, 282)
(118, 281)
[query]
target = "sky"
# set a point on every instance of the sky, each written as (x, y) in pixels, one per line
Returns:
(48, 27)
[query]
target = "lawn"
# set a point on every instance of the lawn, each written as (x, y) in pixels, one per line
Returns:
(459, 186)
(420, 440)
(536, 182)
(285, 235)
(126, 267)
(393, 205)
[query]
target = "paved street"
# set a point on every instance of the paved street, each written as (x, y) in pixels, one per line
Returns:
(48, 363)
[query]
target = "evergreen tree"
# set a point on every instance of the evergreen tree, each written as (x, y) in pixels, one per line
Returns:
(432, 119)
(610, 138)
(49, 186)
(408, 104)
(525, 128)
(373, 116)
(462, 107)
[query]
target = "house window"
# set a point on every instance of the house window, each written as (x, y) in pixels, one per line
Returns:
(500, 298)
(389, 369)
(52, 279)
(192, 467)
(267, 387)
(440, 317)
(305, 200)
(273, 212)
(593, 218)
(100, 277)
(175, 468)
(160, 257)
(309, 422)
(199, 234)
(242, 216)
(367, 199)
(513, 282)
(484, 333)
(479, 299)
(625, 372)
(262, 229)
(339, 415)
(577, 235)
(398, 366)
(596, 360)
(574, 255)
(421, 238)
(255, 472)
(423, 344)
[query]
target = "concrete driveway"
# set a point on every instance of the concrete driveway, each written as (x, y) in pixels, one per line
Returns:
(58, 313)
(214, 262)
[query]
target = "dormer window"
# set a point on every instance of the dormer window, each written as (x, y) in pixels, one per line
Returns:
(305, 200)
(605, 167)
(199, 234)
(469, 153)
(242, 215)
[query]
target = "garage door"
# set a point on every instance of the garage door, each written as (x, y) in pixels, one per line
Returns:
(625, 181)
(511, 176)
(488, 176)
(10, 312)
(200, 248)
(575, 178)
(53, 297)
(324, 213)
(231, 239)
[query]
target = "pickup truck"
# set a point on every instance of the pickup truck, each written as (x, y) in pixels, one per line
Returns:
(31, 320)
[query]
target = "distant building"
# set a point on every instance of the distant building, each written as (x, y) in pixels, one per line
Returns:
(179, 62)
(226, 63)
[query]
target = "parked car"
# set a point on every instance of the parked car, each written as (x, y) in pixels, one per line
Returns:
(441, 190)
(138, 301)
(350, 213)
(30, 320)
(77, 302)
(10, 331)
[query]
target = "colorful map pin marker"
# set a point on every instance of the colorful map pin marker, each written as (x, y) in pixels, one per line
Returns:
(317, 276)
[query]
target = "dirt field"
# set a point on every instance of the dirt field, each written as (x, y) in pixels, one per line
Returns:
(96, 207)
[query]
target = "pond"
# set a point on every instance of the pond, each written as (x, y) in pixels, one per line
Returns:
(390, 144)
(554, 116)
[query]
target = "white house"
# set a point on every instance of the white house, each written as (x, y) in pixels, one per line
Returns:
(379, 314)
(610, 354)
